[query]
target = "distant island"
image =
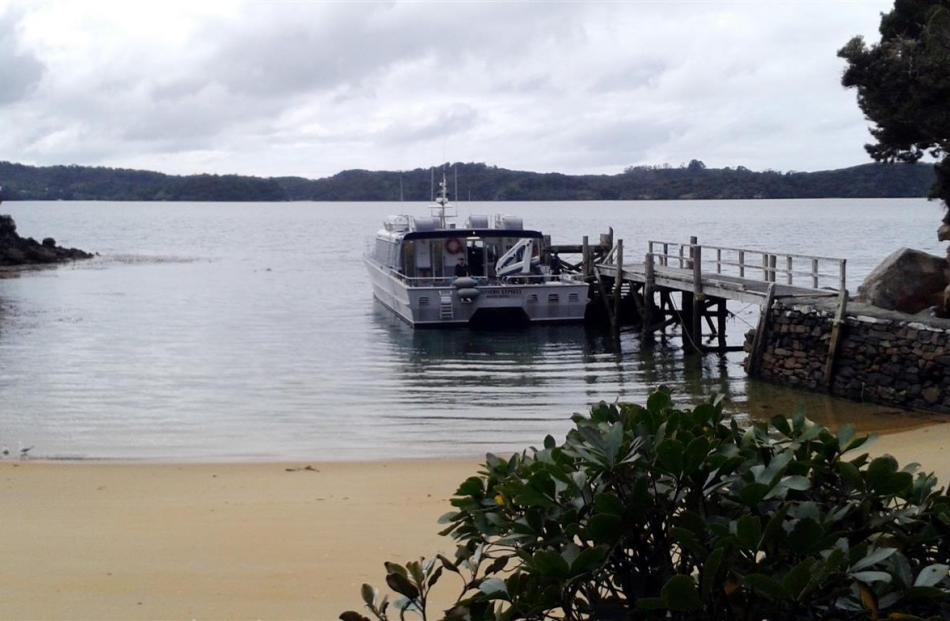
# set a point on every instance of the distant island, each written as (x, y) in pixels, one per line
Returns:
(477, 182)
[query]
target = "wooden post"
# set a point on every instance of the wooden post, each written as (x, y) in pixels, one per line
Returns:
(692, 245)
(843, 277)
(686, 312)
(647, 319)
(721, 312)
(788, 270)
(585, 253)
(814, 273)
(599, 279)
(772, 269)
(698, 297)
(666, 255)
(719, 260)
(618, 284)
(765, 267)
(742, 264)
(835, 337)
(761, 332)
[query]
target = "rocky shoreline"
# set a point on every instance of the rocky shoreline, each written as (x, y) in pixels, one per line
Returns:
(16, 250)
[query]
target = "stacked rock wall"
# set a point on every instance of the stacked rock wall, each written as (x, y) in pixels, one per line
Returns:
(887, 358)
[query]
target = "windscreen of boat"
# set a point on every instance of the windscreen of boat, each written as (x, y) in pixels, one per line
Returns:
(436, 254)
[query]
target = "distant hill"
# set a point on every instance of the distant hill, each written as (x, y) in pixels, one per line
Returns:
(476, 182)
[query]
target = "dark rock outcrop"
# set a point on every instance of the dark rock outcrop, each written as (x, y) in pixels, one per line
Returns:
(908, 281)
(16, 250)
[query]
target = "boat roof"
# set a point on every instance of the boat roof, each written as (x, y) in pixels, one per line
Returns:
(443, 233)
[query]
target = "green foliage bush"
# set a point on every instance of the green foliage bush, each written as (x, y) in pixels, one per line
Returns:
(661, 513)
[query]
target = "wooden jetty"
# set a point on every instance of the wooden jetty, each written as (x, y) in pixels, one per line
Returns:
(704, 278)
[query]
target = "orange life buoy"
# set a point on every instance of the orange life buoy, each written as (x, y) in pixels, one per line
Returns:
(453, 246)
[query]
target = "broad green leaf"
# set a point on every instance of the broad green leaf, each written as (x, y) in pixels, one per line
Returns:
(494, 587)
(766, 586)
(931, 575)
(710, 570)
(549, 563)
(401, 584)
(680, 594)
(604, 528)
(608, 503)
(369, 594)
(749, 531)
(696, 452)
(873, 558)
(658, 401)
(471, 486)
(871, 576)
(670, 456)
(797, 579)
(588, 560)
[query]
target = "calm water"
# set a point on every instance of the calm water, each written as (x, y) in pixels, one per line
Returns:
(236, 331)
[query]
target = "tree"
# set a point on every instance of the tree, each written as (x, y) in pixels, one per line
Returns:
(903, 85)
(655, 513)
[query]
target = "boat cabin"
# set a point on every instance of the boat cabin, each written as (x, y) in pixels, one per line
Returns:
(419, 248)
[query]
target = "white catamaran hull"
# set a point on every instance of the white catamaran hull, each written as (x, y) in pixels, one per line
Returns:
(553, 301)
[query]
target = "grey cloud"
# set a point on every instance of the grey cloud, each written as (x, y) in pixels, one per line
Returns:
(19, 71)
(304, 49)
(454, 120)
(308, 88)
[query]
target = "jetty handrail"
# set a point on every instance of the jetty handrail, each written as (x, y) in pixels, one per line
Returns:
(486, 281)
(768, 266)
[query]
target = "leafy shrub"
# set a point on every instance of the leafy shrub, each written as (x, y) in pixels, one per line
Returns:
(659, 513)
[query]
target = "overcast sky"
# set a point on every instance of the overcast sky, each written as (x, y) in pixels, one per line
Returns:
(312, 88)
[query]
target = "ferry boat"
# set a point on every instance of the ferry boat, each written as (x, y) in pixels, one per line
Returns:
(490, 271)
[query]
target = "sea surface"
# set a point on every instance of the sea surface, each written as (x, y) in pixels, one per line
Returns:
(237, 331)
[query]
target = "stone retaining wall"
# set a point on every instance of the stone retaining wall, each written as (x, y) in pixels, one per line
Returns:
(883, 357)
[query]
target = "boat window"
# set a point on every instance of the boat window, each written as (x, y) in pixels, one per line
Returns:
(475, 258)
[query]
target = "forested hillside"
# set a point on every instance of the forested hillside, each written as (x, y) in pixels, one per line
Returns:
(475, 182)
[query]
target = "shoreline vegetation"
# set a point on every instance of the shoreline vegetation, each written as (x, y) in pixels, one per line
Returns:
(476, 182)
(241, 541)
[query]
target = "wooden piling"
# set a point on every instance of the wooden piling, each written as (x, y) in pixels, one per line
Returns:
(761, 333)
(698, 297)
(618, 285)
(585, 252)
(688, 326)
(646, 327)
(835, 337)
(721, 313)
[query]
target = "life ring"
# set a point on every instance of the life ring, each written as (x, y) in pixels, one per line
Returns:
(453, 246)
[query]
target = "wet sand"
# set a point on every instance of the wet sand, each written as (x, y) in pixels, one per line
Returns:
(238, 541)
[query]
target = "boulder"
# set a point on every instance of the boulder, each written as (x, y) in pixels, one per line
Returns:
(7, 226)
(15, 250)
(908, 281)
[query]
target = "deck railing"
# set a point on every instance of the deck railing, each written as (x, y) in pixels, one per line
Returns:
(484, 281)
(799, 270)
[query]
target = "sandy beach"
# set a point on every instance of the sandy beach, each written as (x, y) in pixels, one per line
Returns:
(238, 541)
